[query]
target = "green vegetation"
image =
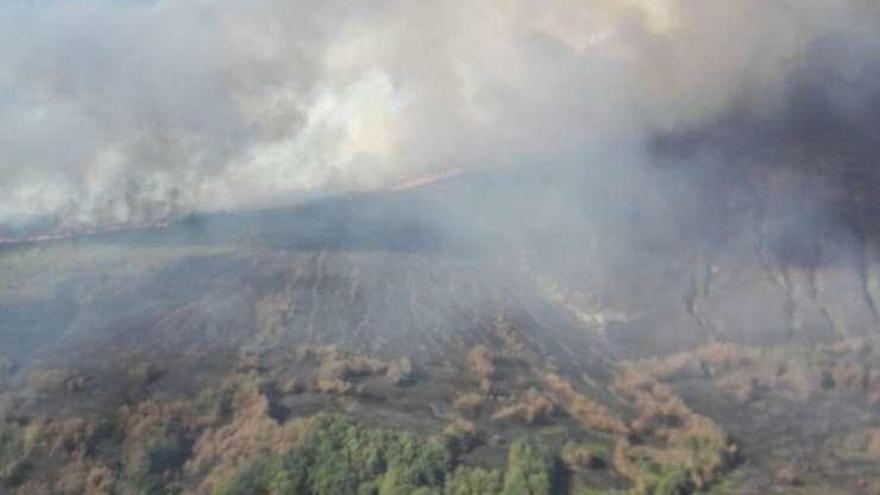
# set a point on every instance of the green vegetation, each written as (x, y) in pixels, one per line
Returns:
(665, 479)
(579, 456)
(225, 441)
(339, 456)
(11, 442)
(146, 473)
(160, 453)
(672, 481)
(473, 481)
(13, 462)
(529, 471)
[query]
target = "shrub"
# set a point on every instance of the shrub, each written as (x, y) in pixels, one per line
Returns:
(529, 471)
(473, 481)
(338, 456)
(581, 456)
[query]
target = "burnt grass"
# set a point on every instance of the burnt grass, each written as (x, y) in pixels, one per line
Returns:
(311, 305)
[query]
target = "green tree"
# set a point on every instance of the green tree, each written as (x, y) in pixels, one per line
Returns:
(529, 471)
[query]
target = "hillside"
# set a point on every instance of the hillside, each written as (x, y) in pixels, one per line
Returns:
(433, 347)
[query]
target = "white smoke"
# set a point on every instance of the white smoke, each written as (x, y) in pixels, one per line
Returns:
(115, 111)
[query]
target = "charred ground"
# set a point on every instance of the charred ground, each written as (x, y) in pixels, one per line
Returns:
(613, 340)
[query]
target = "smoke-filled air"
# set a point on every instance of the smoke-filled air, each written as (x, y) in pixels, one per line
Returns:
(387, 247)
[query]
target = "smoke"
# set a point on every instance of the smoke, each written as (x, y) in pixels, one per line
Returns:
(130, 111)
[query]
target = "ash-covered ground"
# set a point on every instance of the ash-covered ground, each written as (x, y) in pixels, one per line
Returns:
(722, 351)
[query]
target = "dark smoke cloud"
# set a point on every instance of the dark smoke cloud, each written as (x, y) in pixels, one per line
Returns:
(117, 111)
(809, 161)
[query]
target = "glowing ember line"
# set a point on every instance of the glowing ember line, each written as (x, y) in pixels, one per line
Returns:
(65, 235)
(425, 180)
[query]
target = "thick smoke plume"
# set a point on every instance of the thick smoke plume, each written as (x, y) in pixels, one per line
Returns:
(136, 110)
